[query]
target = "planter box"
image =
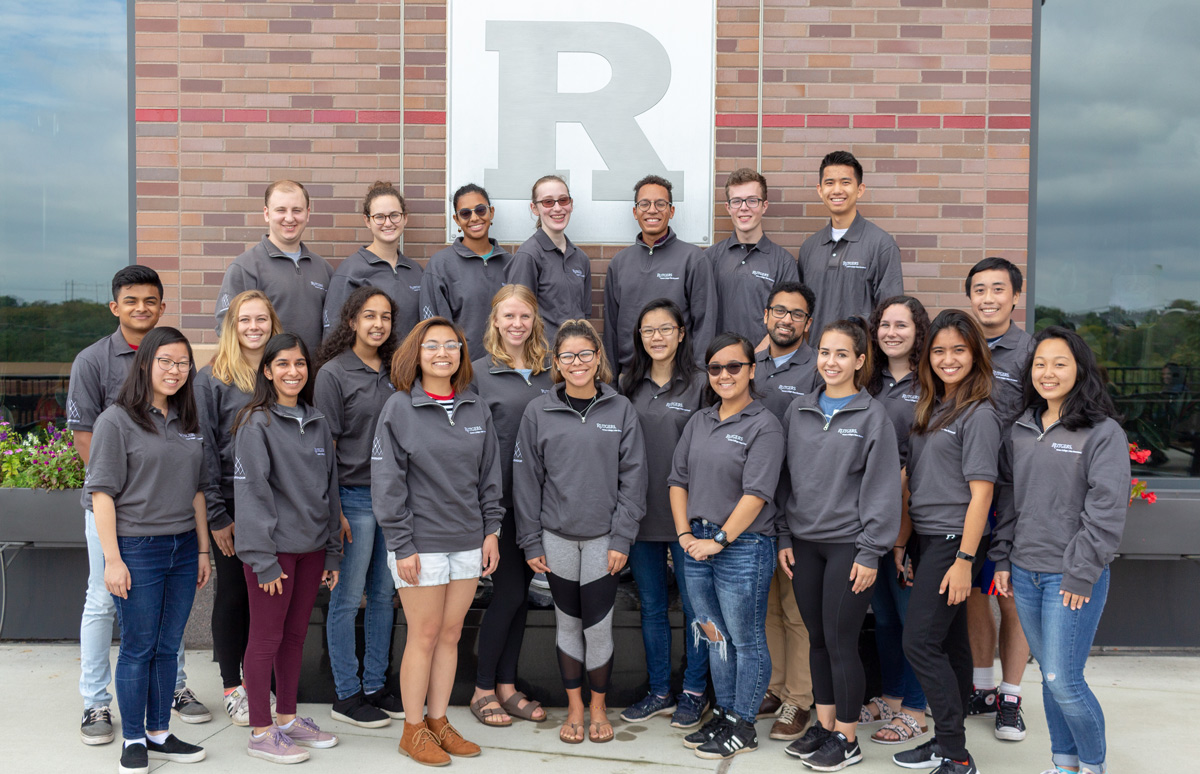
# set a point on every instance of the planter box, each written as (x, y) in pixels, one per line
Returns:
(43, 518)
(1169, 529)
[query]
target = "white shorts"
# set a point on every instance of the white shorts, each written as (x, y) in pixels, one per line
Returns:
(440, 569)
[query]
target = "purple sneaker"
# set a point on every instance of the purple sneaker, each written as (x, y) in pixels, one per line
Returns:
(305, 733)
(276, 747)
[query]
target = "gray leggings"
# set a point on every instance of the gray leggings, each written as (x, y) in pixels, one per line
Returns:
(583, 592)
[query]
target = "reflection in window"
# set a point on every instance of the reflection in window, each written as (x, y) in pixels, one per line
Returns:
(1118, 207)
(64, 202)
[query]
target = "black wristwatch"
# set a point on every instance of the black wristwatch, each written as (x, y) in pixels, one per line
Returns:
(721, 539)
(965, 555)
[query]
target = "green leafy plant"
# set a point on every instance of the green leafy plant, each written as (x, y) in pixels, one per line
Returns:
(41, 459)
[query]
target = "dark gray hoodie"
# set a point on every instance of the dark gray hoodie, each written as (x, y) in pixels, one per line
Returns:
(507, 392)
(401, 284)
(218, 404)
(561, 281)
(459, 285)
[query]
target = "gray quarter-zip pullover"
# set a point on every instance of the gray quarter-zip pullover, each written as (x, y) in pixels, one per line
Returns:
(1063, 498)
(151, 477)
(744, 275)
(561, 281)
(899, 398)
(351, 395)
(297, 290)
(844, 476)
(459, 285)
(507, 392)
(218, 404)
(435, 478)
(718, 462)
(401, 284)
(97, 374)
(285, 489)
(579, 476)
(780, 386)
(941, 463)
(641, 273)
(1011, 354)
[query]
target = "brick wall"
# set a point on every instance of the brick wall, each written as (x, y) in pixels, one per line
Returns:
(931, 95)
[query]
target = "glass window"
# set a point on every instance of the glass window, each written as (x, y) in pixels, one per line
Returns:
(64, 202)
(1117, 251)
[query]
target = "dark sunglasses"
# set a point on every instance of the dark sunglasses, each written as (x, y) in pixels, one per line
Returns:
(734, 367)
(479, 209)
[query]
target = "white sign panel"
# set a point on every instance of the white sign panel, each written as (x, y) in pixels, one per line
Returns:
(599, 93)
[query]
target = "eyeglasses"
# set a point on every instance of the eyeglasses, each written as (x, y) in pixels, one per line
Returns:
(734, 368)
(645, 205)
(662, 330)
(449, 346)
(750, 201)
(549, 203)
(381, 218)
(567, 358)
(167, 364)
(478, 209)
(779, 312)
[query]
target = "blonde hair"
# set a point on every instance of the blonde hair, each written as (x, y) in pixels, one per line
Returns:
(581, 329)
(229, 365)
(535, 350)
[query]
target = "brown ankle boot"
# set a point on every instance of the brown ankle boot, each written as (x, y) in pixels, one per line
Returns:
(419, 743)
(449, 739)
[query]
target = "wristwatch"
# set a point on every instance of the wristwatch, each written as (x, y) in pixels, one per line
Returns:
(965, 555)
(721, 539)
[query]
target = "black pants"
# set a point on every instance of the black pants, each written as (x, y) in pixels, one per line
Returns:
(936, 643)
(833, 615)
(230, 614)
(503, 626)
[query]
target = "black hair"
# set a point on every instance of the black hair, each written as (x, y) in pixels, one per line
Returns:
(720, 342)
(137, 393)
(265, 397)
(654, 180)
(343, 336)
(788, 286)
(1089, 401)
(684, 364)
(840, 158)
(879, 361)
(136, 274)
(469, 188)
(974, 389)
(991, 264)
(856, 328)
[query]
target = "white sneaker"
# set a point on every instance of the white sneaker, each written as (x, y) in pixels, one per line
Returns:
(237, 706)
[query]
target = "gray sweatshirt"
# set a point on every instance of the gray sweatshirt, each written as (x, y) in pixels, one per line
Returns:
(941, 463)
(351, 395)
(1063, 498)
(297, 290)
(97, 374)
(459, 285)
(900, 399)
(218, 404)
(561, 281)
(850, 276)
(744, 275)
(579, 476)
(402, 284)
(718, 462)
(507, 392)
(285, 489)
(1011, 354)
(435, 479)
(151, 477)
(844, 476)
(641, 273)
(778, 387)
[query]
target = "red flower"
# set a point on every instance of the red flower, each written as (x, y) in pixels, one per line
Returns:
(1150, 497)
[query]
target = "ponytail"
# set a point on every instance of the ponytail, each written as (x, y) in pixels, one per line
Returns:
(860, 335)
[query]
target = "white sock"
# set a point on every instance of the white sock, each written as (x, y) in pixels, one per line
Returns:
(158, 738)
(1010, 689)
(288, 725)
(141, 741)
(984, 678)
(258, 736)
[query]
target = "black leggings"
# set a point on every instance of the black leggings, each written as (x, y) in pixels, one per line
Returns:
(230, 613)
(833, 615)
(503, 626)
(936, 643)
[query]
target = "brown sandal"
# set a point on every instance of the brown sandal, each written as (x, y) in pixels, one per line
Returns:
(595, 726)
(484, 715)
(576, 730)
(512, 706)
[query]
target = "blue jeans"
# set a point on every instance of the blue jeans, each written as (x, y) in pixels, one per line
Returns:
(1060, 639)
(364, 567)
(729, 590)
(648, 561)
(890, 605)
(96, 625)
(162, 569)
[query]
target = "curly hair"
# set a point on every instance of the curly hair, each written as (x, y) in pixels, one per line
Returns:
(343, 335)
(879, 360)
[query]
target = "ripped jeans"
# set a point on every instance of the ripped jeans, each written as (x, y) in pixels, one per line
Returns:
(729, 591)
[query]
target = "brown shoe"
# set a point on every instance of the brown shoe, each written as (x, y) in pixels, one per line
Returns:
(769, 707)
(419, 743)
(449, 739)
(791, 723)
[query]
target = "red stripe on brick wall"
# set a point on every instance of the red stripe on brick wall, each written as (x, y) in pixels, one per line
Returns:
(783, 120)
(334, 116)
(246, 116)
(736, 119)
(964, 122)
(1008, 122)
(379, 116)
(920, 122)
(430, 117)
(155, 114)
(198, 115)
(874, 122)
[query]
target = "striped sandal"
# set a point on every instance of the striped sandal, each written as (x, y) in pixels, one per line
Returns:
(875, 711)
(903, 728)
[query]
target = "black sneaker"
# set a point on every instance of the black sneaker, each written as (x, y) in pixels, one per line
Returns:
(706, 731)
(174, 749)
(1010, 723)
(97, 727)
(954, 767)
(813, 739)
(134, 760)
(982, 702)
(734, 737)
(837, 753)
(388, 702)
(357, 711)
(924, 756)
